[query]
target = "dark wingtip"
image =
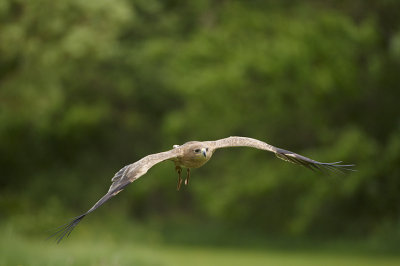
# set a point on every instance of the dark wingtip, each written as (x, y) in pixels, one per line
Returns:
(66, 229)
(337, 167)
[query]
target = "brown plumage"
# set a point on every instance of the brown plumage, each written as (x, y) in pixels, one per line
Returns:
(192, 154)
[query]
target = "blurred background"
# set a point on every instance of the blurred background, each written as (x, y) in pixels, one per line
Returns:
(87, 87)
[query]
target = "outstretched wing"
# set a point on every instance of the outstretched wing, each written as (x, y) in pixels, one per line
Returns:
(121, 179)
(280, 153)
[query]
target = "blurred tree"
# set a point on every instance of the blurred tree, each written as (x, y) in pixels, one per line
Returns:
(87, 87)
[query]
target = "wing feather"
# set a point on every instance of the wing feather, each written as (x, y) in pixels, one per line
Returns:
(280, 153)
(121, 179)
(241, 142)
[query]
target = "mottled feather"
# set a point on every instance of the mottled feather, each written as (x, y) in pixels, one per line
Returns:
(121, 179)
(280, 153)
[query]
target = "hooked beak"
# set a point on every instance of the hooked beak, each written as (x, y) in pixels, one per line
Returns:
(204, 152)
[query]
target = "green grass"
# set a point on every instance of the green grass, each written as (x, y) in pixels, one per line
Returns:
(102, 248)
(20, 252)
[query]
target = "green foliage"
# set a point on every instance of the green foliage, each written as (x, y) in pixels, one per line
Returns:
(87, 87)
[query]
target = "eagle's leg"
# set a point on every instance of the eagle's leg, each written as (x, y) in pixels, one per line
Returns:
(179, 170)
(187, 177)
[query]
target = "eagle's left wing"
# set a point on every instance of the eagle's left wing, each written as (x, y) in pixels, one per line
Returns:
(280, 153)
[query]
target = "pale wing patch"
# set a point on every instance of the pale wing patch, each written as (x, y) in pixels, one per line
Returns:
(120, 173)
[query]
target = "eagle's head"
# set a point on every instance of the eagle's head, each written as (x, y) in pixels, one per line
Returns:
(195, 154)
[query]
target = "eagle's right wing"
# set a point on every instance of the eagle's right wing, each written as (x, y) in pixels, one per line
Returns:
(121, 179)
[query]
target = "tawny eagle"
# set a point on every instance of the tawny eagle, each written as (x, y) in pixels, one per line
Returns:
(192, 154)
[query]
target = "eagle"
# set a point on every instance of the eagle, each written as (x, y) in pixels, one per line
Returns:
(192, 154)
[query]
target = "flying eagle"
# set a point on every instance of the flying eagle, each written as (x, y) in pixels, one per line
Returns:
(192, 154)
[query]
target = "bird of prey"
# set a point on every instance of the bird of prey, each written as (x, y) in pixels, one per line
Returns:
(190, 155)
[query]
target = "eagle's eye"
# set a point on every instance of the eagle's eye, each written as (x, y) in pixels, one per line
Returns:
(197, 150)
